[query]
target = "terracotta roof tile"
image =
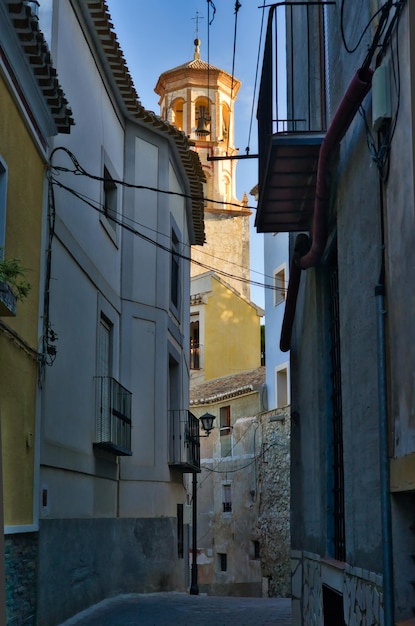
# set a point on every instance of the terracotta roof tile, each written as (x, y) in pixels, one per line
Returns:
(37, 53)
(234, 385)
(99, 13)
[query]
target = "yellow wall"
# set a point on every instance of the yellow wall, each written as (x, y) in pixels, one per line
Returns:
(232, 333)
(18, 370)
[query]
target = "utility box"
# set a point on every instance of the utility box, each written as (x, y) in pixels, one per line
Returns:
(381, 97)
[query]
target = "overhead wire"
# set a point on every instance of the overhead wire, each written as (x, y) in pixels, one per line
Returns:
(247, 149)
(97, 206)
(80, 171)
(352, 50)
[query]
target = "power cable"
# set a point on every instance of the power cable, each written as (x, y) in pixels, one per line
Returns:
(384, 10)
(97, 206)
(80, 171)
(247, 149)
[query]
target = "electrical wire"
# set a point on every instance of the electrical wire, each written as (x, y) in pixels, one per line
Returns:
(80, 171)
(237, 7)
(380, 153)
(247, 149)
(97, 206)
(351, 50)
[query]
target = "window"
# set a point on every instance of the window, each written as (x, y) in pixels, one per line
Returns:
(282, 386)
(225, 420)
(110, 198)
(222, 562)
(174, 270)
(104, 351)
(279, 286)
(256, 549)
(194, 343)
(227, 498)
(113, 401)
(225, 431)
(180, 532)
(177, 110)
(3, 202)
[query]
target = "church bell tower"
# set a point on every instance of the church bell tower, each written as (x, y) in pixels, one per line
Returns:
(199, 99)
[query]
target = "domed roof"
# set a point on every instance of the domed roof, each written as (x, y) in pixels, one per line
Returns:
(198, 66)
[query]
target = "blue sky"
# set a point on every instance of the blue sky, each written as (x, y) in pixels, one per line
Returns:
(157, 35)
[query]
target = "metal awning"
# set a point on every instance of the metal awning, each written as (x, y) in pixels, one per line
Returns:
(287, 191)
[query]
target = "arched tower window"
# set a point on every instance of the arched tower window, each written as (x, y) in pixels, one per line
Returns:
(177, 113)
(202, 117)
(225, 121)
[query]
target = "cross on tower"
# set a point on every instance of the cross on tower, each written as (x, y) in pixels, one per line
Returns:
(196, 19)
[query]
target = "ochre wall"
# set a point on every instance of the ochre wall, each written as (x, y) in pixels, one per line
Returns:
(18, 369)
(232, 333)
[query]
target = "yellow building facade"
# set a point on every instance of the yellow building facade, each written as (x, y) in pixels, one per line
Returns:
(33, 108)
(225, 329)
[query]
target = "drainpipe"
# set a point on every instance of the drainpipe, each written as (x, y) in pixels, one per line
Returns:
(352, 99)
(385, 498)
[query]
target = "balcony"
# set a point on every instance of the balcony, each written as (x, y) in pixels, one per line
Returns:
(184, 449)
(113, 416)
(291, 115)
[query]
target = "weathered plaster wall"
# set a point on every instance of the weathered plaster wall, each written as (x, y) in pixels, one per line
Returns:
(273, 525)
(107, 557)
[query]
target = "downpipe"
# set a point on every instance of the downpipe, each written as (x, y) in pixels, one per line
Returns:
(385, 502)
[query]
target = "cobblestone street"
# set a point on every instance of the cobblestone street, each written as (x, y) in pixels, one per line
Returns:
(169, 609)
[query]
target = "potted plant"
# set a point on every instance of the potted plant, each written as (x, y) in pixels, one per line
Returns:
(13, 285)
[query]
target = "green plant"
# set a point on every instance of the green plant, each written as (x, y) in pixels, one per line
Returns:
(13, 273)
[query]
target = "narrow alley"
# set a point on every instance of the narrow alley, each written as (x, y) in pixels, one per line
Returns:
(168, 609)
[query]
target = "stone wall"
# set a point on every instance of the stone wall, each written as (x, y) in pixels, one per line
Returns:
(274, 510)
(360, 590)
(20, 563)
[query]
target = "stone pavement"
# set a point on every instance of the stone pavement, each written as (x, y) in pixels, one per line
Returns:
(181, 609)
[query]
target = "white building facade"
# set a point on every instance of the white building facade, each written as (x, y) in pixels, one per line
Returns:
(117, 317)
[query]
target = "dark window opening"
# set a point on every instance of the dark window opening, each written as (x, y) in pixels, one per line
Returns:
(332, 607)
(180, 532)
(227, 499)
(175, 266)
(222, 561)
(194, 346)
(110, 197)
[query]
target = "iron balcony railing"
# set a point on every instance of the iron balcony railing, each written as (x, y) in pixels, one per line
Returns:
(292, 88)
(113, 416)
(291, 114)
(184, 448)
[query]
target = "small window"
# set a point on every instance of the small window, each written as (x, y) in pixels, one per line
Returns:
(110, 198)
(227, 498)
(180, 531)
(279, 287)
(225, 431)
(222, 562)
(225, 420)
(194, 343)
(282, 387)
(256, 549)
(174, 270)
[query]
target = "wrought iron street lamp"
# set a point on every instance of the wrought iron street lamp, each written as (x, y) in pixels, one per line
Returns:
(207, 424)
